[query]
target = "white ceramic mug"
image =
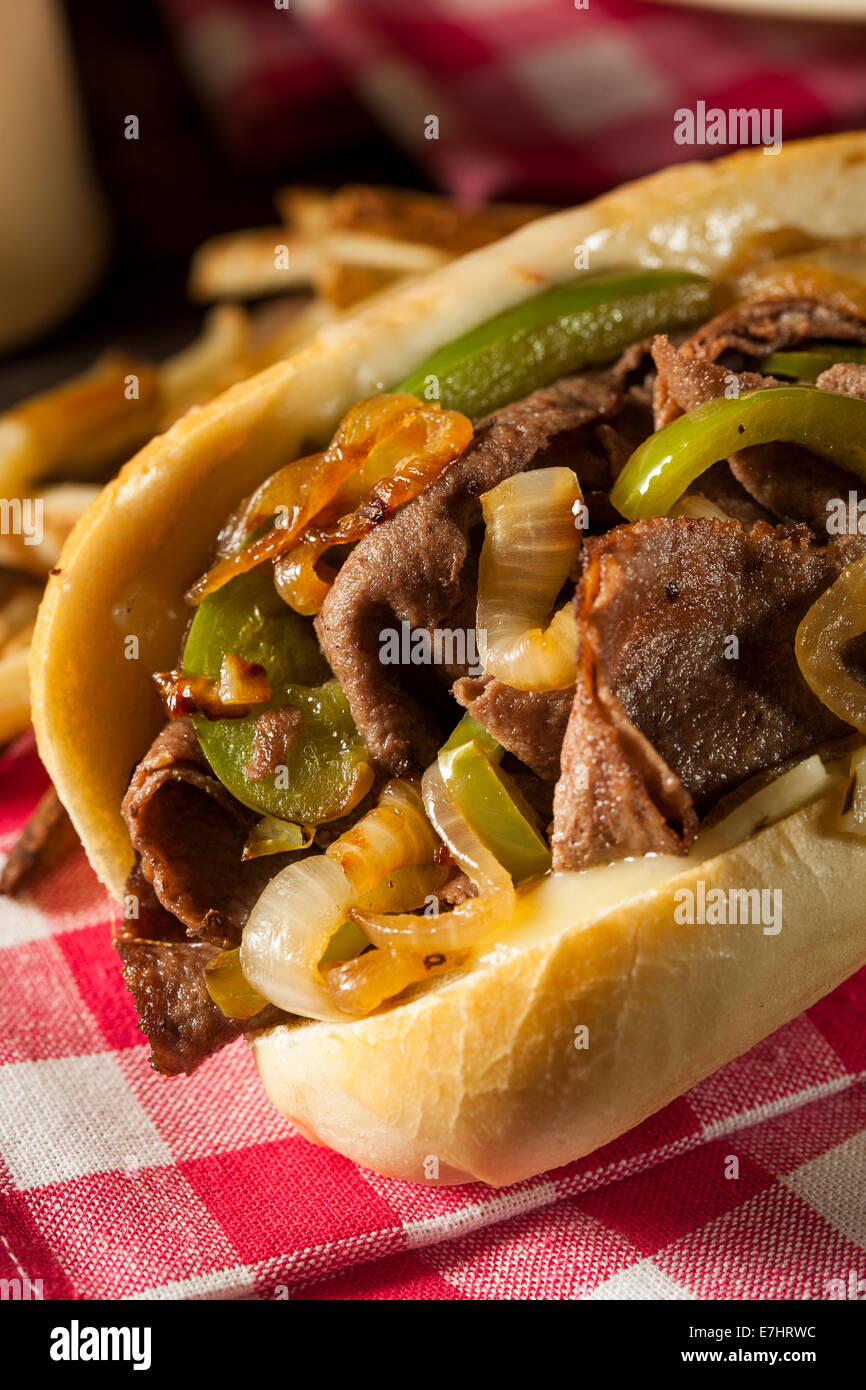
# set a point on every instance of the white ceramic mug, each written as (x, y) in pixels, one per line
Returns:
(52, 222)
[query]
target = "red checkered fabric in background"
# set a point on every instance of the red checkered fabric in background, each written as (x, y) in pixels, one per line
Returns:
(118, 1183)
(536, 97)
(272, 93)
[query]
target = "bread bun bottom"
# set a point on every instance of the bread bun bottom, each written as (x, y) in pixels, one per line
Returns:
(480, 1078)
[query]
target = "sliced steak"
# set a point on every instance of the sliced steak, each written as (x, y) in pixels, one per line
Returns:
(793, 484)
(529, 723)
(686, 652)
(684, 381)
(163, 972)
(189, 832)
(419, 566)
(846, 378)
(776, 480)
(754, 328)
(175, 1012)
(681, 384)
(274, 734)
(615, 796)
(144, 917)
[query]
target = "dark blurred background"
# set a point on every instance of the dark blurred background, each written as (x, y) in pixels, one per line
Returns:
(178, 184)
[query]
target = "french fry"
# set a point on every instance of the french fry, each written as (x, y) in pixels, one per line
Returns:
(402, 215)
(383, 253)
(90, 423)
(305, 211)
(58, 509)
(246, 265)
(14, 693)
(81, 426)
(377, 235)
(18, 614)
(214, 361)
(348, 245)
(46, 840)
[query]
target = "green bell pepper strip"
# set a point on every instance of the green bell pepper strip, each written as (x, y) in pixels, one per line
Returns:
(491, 805)
(665, 465)
(229, 987)
(809, 364)
(327, 769)
(272, 836)
(470, 731)
(587, 322)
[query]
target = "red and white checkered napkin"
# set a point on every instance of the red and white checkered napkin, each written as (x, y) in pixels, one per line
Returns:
(115, 1182)
(540, 97)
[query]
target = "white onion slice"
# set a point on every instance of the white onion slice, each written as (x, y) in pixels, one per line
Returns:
(291, 924)
(287, 934)
(836, 617)
(395, 834)
(467, 925)
(531, 541)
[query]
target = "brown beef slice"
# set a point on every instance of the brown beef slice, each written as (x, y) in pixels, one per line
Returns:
(419, 566)
(658, 605)
(144, 917)
(846, 378)
(175, 1012)
(190, 833)
(757, 327)
(163, 972)
(530, 724)
(784, 479)
(274, 734)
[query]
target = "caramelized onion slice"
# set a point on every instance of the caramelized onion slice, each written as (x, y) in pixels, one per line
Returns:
(361, 985)
(398, 469)
(303, 907)
(472, 922)
(241, 685)
(290, 499)
(395, 834)
(243, 682)
(531, 541)
(833, 620)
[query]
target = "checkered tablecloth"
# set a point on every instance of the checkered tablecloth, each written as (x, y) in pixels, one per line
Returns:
(548, 98)
(118, 1183)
